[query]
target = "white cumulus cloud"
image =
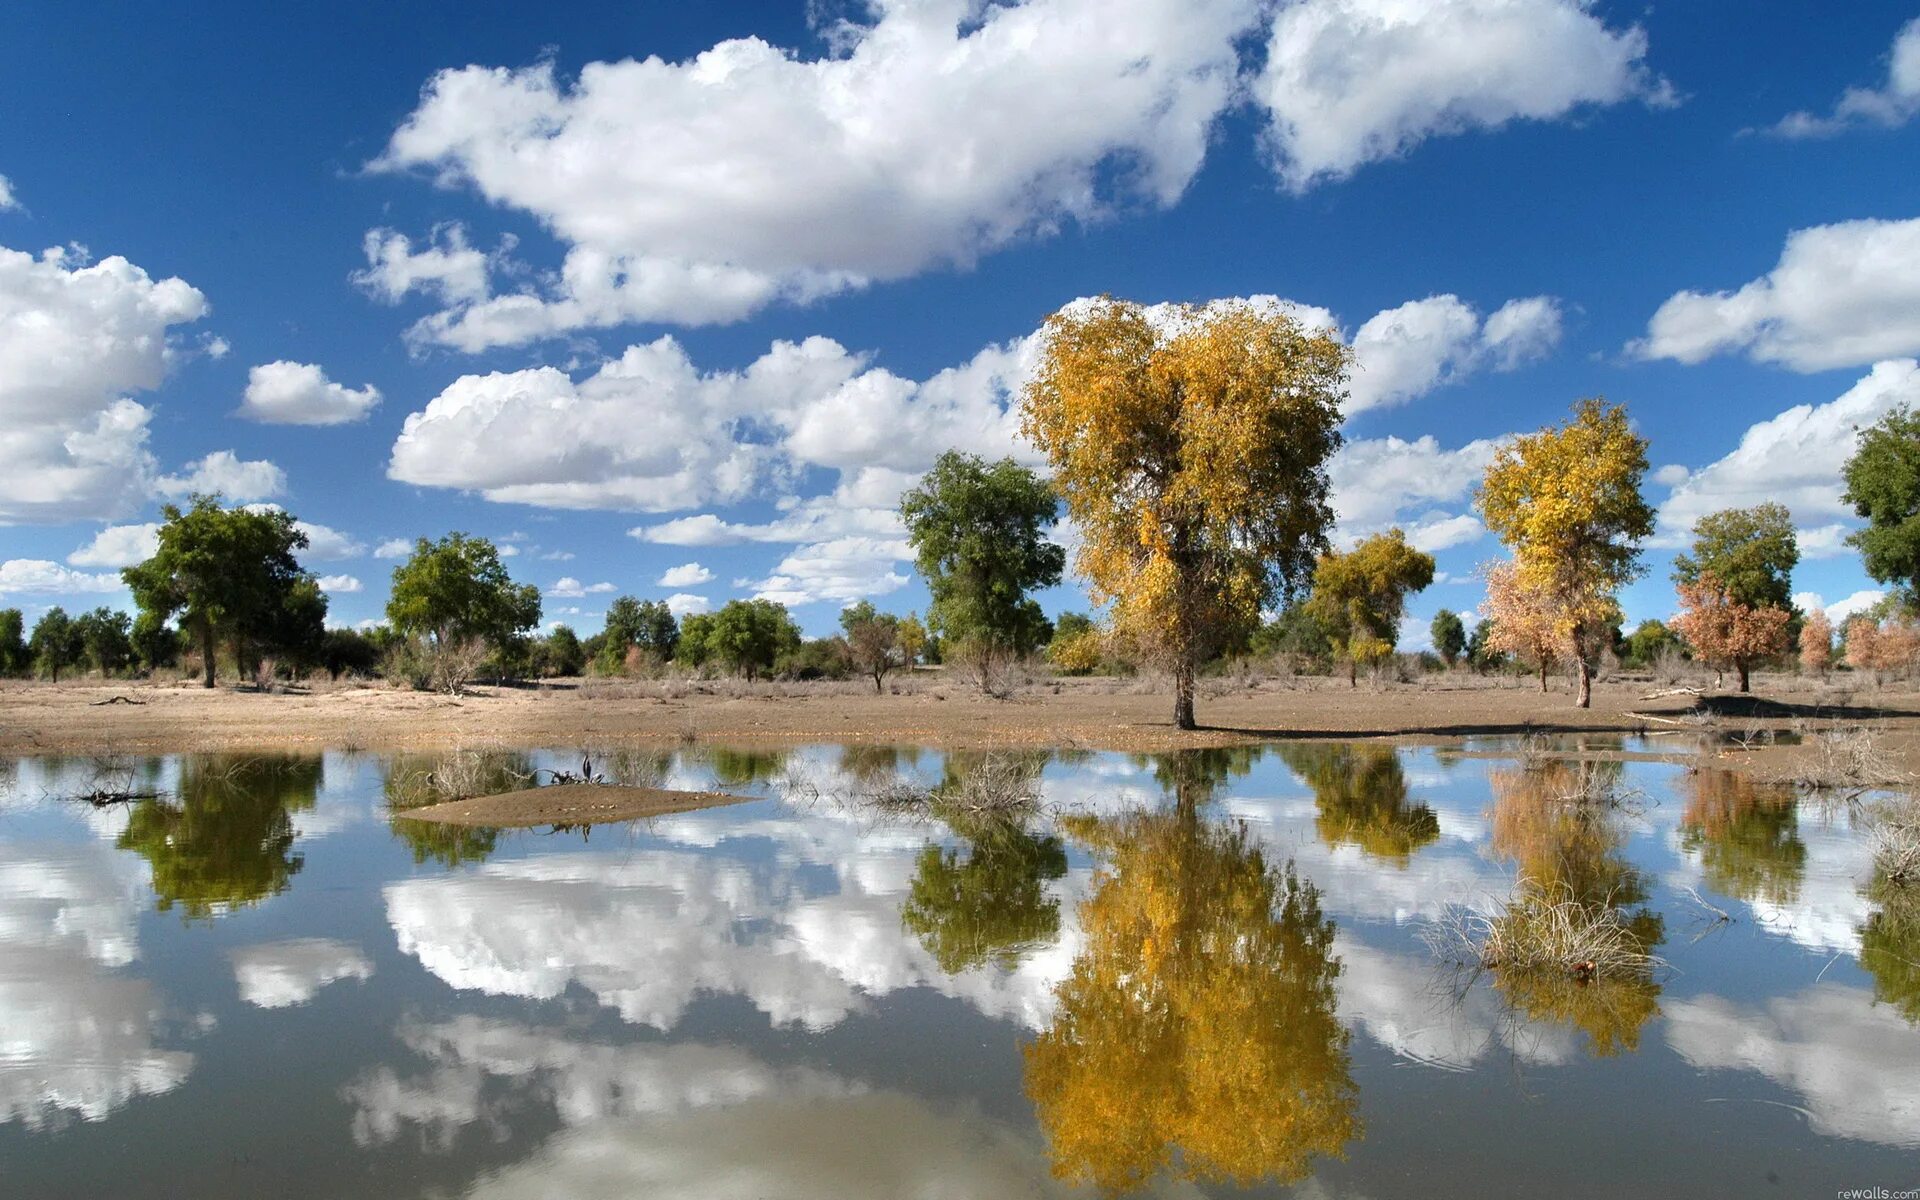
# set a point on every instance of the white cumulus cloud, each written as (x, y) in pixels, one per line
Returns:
(567, 587)
(75, 339)
(285, 974)
(686, 575)
(393, 548)
(340, 583)
(1842, 295)
(851, 568)
(1349, 82)
(682, 604)
(37, 575)
(226, 473)
(118, 546)
(1794, 458)
(291, 393)
(1404, 353)
(701, 190)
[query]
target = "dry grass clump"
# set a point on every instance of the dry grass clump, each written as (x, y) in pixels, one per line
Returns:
(1546, 930)
(1895, 833)
(993, 784)
(460, 775)
(1847, 757)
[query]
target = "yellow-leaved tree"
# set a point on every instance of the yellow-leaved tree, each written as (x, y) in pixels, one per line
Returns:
(1567, 502)
(1359, 596)
(1190, 444)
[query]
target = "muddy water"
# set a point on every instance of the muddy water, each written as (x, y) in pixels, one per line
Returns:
(1188, 975)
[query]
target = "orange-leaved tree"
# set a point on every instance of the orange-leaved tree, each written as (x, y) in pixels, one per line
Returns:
(1816, 643)
(1726, 633)
(1191, 445)
(1525, 620)
(1567, 502)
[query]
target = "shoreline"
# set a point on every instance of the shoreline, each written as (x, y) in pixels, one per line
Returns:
(117, 717)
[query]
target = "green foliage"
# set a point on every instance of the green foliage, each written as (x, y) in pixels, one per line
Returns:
(695, 648)
(55, 644)
(1293, 632)
(816, 658)
(990, 906)
(227, 840)
(457, 590)
(1363, 798)
(1647, 642)
(559, 653)
(872, 640)
(105, 639)
(751, 636)
(647, 624)
(232, 573)
(977, 531)
(1449, 635)
(1481, 655)
(155, 643)
(1883, 485)
(14, 658)
(348, 652)
(1750, 551)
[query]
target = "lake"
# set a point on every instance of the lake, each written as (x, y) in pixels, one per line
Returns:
(1204, 974)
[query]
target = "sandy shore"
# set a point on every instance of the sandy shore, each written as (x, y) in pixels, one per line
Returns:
(83, 717)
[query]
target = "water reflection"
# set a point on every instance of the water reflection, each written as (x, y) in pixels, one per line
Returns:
(1890, 947)
(990, 903)
(1196, 1033)
(1560, 825)
(1362, 794)
(225, 838)
(1747, 835)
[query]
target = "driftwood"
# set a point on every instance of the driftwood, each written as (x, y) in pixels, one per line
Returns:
(116, 700)
(1673, 691)
(1640, 716)
(101, 797)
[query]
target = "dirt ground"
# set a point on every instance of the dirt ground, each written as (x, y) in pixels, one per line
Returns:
(118, 717)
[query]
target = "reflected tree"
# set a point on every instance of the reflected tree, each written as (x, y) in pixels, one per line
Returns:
(990, 905)
(1196, 1034)
(1362, 795)
(1573, 850)
(742, 768)
(226, 839)
(1890, 947)
(1747, 835)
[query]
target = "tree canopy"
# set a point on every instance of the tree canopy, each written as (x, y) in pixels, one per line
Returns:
(55, 644)
(1883, 485)
(1449, 635)
(1192, 452)
(750, 636)
(1360, 594)
(456, 595)
(1566, 501)
(231, 573)
(14, 658)
(1751, 551)
(978, 534)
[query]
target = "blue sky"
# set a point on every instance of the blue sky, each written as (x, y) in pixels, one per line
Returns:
(676, 314)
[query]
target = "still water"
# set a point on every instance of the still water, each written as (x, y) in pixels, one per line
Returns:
(1194, 975)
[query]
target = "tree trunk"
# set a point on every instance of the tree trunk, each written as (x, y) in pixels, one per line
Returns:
(207, 654)
(1183, 694)
(877, 686)
(1353, 674)
(1744, 671)
(1543, 676)
(1584, 698)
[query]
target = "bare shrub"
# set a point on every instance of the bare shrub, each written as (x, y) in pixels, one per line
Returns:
(1896, 841)
(1846, 758)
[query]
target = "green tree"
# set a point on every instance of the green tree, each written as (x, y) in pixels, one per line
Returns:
(1480, 652)
(560, 652)
(455, 596)
(1449, 634)
(348, 651)
(1192, 452)
(977, 530)
(873, 641)
(1294, 632)
(55, 643)
(647, 624)
(1363, 798)
(1359, 596)
(1883, 485)
(14, 658)
(750, 636)
(155, 643)
(990, 905)
(227, 839)
(106, 639)
(1751, 552)
(695, 647)
(230, 573)
(1649, 639)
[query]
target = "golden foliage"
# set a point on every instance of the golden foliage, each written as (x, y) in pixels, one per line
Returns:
(1196, 1034)
(1076, 654)
(1567, 502)
(1191, 452)
(1359, 595)
(1816, 643)
(1874, 646)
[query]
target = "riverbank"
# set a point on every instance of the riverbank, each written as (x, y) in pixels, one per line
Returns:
(92, 716)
